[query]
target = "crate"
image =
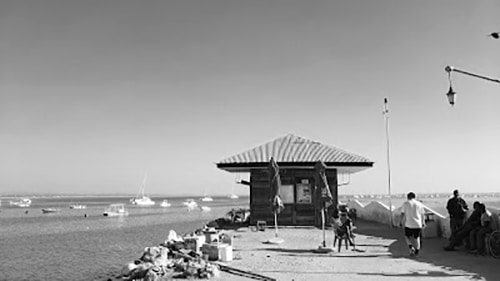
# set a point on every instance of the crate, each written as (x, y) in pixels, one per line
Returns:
(225, 252)
(261, 225)
(194, 243)
(211, 236)
(211, 250)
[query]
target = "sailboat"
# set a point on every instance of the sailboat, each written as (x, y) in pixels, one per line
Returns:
(141, 199)
(233, 195)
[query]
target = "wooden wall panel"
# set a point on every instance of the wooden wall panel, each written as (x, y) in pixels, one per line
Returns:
(293, 214)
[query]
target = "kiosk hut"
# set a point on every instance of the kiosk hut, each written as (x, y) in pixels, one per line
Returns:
(296, 158)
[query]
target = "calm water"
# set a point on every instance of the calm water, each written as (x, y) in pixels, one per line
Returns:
(69, 246)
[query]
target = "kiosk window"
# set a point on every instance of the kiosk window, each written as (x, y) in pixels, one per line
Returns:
(286, 193)
(304, 194)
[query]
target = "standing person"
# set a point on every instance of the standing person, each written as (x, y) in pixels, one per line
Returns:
(344, 227)
(413, 220)
(457, 209)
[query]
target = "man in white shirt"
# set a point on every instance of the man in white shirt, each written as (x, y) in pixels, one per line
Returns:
(413, 220)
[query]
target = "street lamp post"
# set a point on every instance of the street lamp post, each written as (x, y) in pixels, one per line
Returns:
(451, 94)
(386, 116)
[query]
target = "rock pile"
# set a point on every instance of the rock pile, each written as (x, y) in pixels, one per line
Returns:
(167, 261)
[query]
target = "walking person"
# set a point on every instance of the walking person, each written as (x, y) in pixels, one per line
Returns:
(457, 209)
(413, 220)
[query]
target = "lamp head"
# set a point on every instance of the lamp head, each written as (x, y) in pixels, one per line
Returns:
(451, 96)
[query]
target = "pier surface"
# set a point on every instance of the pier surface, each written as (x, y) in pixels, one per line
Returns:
(381, 254)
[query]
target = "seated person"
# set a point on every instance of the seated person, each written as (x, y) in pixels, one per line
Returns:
(478, 234)
(463, 232)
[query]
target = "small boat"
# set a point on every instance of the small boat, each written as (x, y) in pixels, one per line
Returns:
(233, 196)
(165, 204)
(22, 203)
(77, 207)
(115, 210)
(142, 199)
(50, 210)
(190, 204)
(205, 209)
(207, 199)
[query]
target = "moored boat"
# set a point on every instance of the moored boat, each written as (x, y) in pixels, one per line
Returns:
(190, 204)
(77, 207)
(50, 210)
(115, 210)
(207, 199)
(22, 203)
(205, 209)
(141, 199)
(165, 204)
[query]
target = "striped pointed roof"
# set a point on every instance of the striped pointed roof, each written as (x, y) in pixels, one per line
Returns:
(295, 151)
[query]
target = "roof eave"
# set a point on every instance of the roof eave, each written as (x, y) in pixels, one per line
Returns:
(342, 167)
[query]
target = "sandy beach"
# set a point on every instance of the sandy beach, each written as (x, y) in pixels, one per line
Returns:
(381, 255)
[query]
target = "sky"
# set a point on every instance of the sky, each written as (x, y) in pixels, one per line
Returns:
(94, 94)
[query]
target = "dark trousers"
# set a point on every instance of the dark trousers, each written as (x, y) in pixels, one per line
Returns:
(456, 224)
(461, 234)
(476, 237)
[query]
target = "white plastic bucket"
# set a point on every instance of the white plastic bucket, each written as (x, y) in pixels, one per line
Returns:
(225, 252)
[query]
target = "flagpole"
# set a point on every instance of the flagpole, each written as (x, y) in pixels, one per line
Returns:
(386, 116)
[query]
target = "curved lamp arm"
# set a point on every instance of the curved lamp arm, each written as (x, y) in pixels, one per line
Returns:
(451, 68)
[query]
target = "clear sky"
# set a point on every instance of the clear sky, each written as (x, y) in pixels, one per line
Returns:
(95, 93)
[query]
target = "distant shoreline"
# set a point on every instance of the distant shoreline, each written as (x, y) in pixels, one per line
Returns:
(343, 196)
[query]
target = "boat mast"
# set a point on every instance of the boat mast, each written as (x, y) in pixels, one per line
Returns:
(143, 186)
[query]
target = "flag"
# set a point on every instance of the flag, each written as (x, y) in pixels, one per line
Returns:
(324, 195)
(275, 183)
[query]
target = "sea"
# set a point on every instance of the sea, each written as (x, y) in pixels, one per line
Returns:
(82, 244)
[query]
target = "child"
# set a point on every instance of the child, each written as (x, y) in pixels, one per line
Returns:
(344, 227)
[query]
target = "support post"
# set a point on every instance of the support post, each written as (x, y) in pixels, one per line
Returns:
(386, 115)
(323, 225)
(275, 224)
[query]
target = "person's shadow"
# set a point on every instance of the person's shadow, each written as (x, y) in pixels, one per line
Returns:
(432, 252)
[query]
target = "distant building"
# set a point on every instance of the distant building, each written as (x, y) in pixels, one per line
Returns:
(296, 158)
